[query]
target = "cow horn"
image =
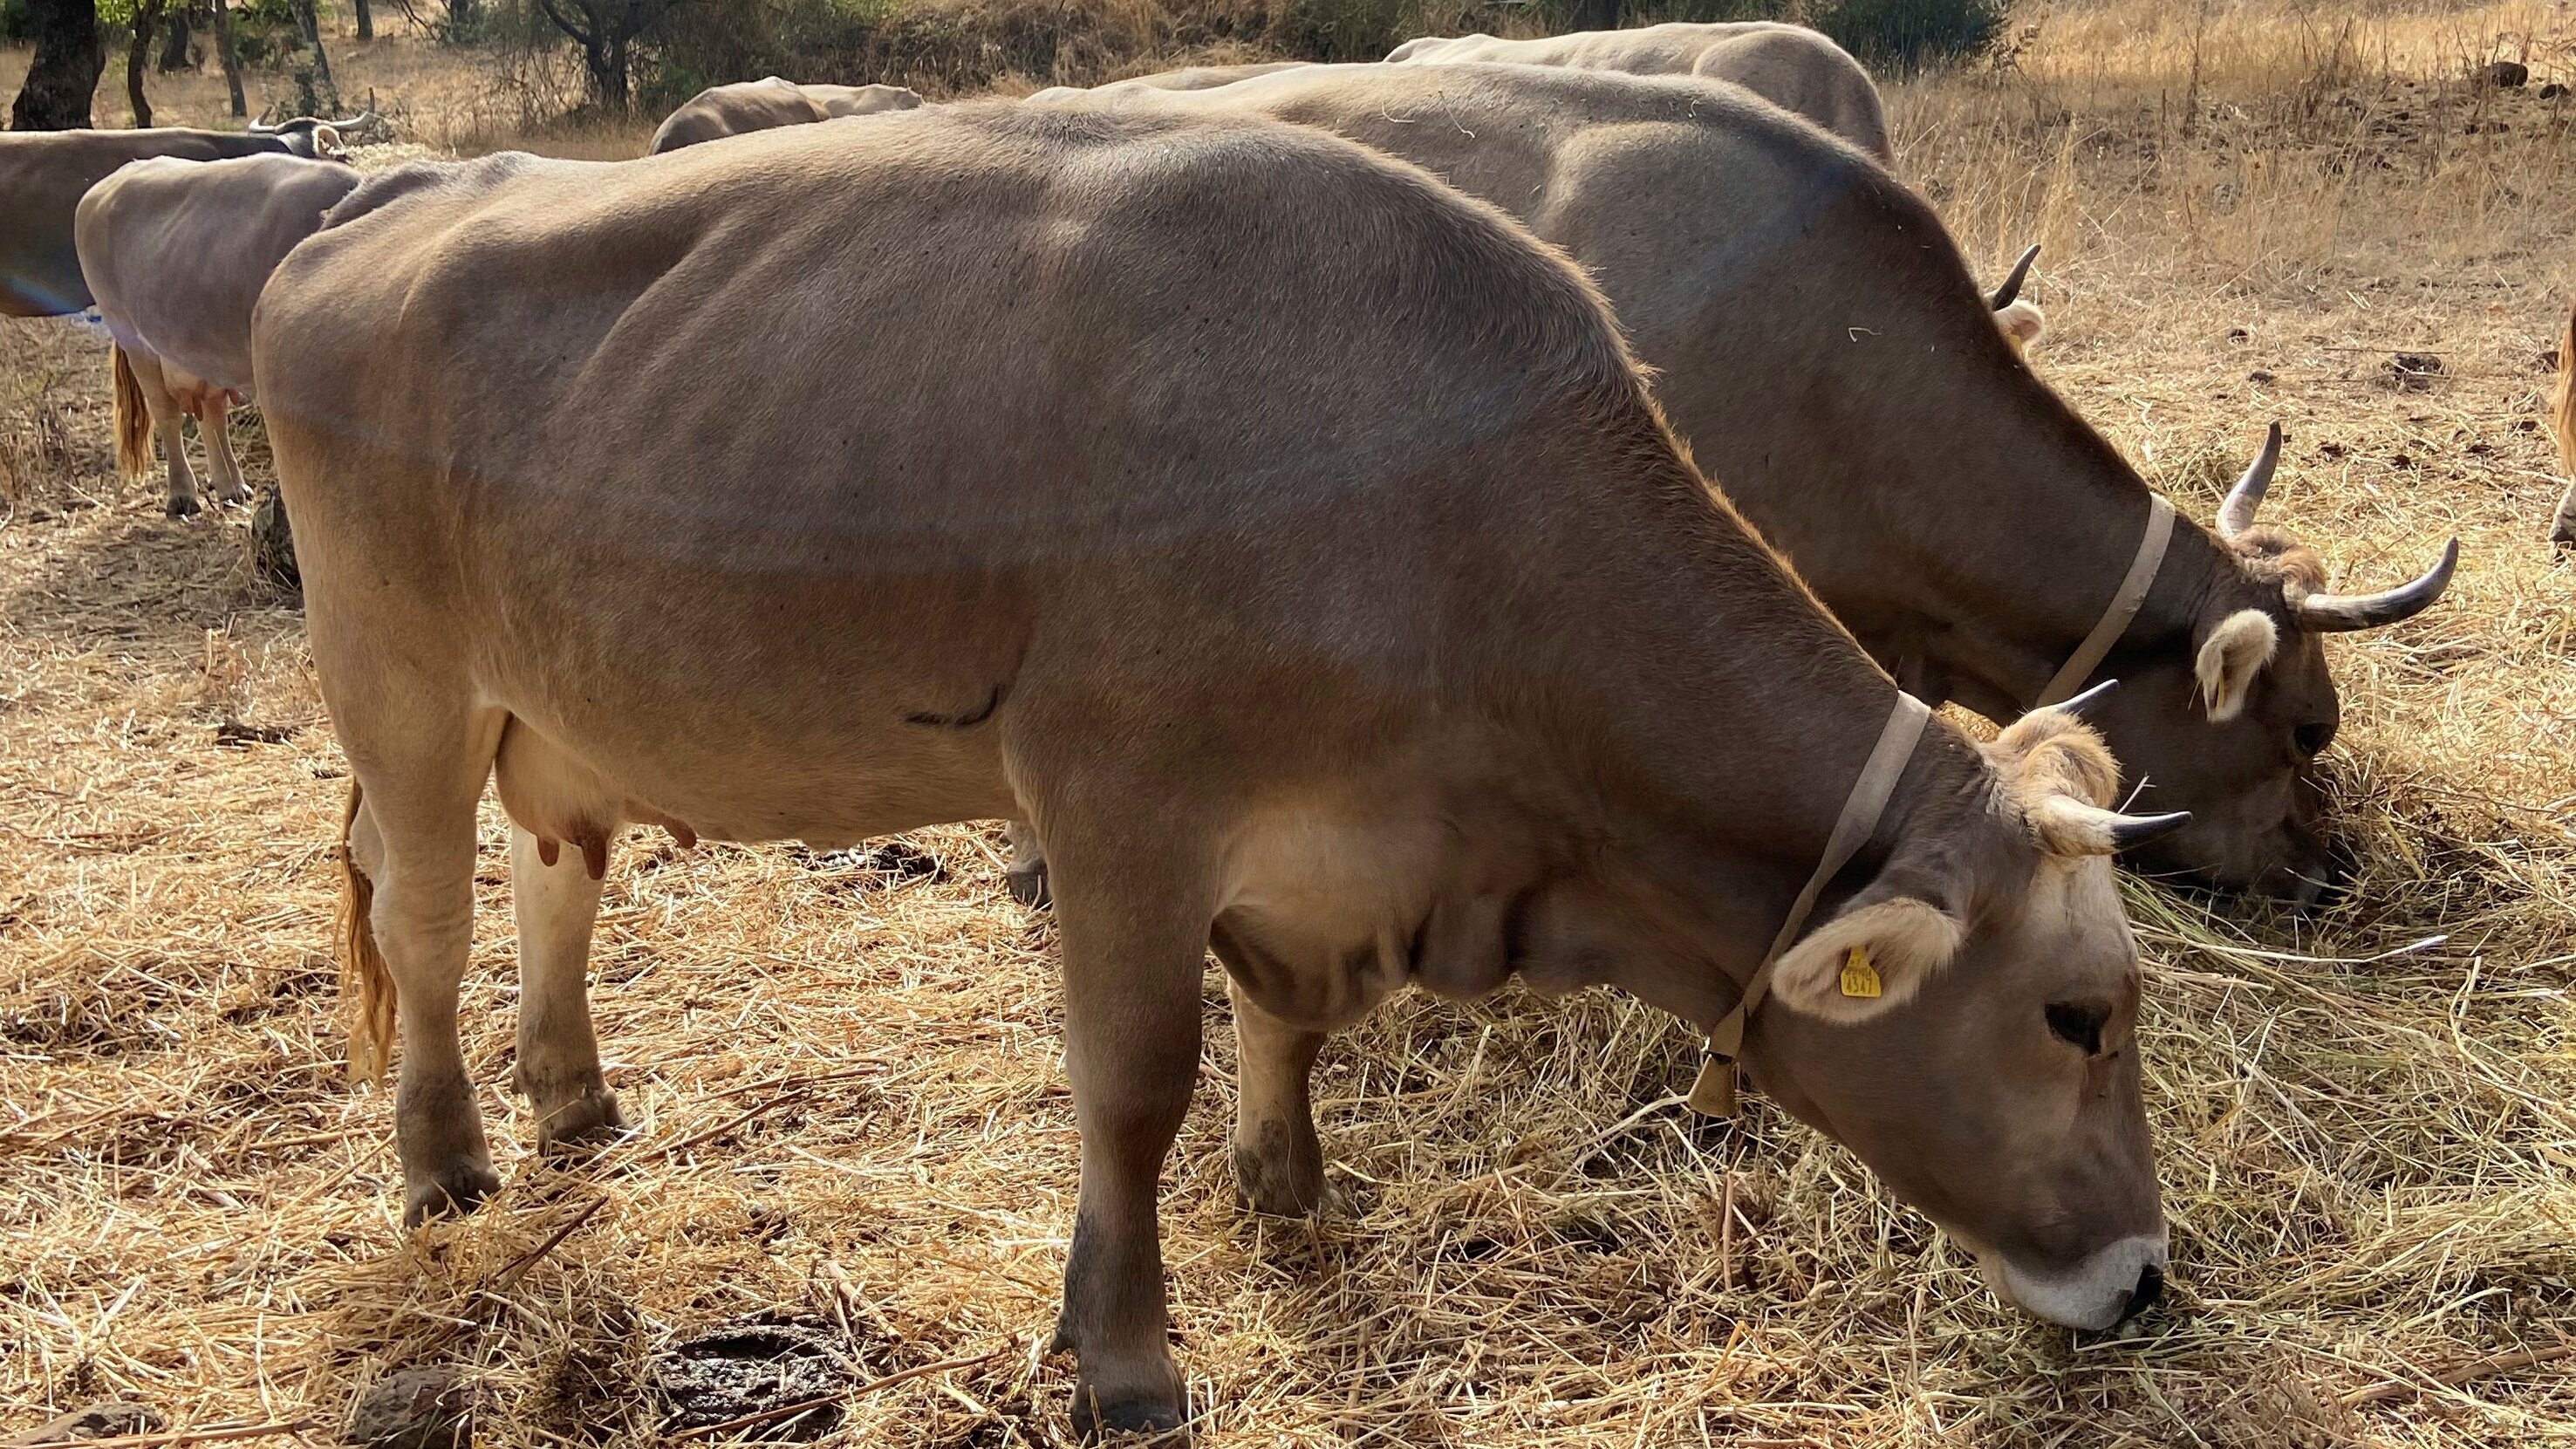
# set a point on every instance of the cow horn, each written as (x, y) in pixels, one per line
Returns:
(2068, 826)
(2013, 279)
(2128, 832)
(2341, 613)
(2078, 703)
(2237, 514)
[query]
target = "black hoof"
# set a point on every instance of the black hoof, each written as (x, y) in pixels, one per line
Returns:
(184, 508)
(1153, 1422)
(582, 1127)
(1029, 885)
(456, 1195)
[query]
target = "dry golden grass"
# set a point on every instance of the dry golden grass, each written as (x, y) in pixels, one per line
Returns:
(848, 1091)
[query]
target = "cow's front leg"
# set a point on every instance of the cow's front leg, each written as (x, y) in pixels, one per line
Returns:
(1133, 953)
(558, 1070)
(223, 472)
(1278, 1161)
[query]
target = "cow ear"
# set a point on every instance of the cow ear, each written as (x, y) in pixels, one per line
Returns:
(2022, 324)
(2230, 658)
(1871, 958)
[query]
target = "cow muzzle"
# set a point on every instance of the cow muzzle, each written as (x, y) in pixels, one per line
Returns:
(2116, 1283)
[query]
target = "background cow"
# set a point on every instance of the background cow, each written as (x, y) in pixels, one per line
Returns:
(760, 105)
(175, 253)
(1792, 67)
(1290, 538)
(2563, 417)
(1821, 343)
(44, 174)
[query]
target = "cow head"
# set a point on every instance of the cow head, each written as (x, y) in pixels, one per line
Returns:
(316, 139)
(1993, 1080)
(2231, 720)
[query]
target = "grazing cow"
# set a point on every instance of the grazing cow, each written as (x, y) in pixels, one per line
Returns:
(1790, 66)
(1820, 343)
(1289, 537)
(175, 253)
(2562, 415)
(43, 175)
(720, 111)
(1187, 78)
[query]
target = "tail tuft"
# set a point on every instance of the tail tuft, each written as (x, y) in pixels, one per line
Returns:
(133, 417)
(363, 976)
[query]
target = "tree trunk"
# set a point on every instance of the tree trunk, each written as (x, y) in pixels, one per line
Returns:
(65, 70)
(366, 20)
(605, 57)
(138, 53)
(1595, 14)
(323, 94)
(174, 50)
(231, 62)
(462, 16)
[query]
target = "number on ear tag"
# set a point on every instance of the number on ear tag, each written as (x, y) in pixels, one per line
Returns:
(1860, 979)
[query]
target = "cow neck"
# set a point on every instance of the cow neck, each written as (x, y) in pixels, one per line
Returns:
(1713, 1094)
(2021, 581)
(2126, 600)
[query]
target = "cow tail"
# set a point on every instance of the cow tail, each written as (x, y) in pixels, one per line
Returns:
(2562, 413)
(133, 417)
(363, 975)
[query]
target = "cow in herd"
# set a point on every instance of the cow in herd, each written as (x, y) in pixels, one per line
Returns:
(175, 253)
(1289, 479)
(47, 175)
(1289, 537)
(746, 106)
(1790, 66)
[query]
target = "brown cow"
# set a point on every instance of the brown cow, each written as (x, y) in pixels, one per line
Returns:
(1291, 538)
(44, 174)
(1820, 342)
(720, 111)
(1792, 67)
(175, 253)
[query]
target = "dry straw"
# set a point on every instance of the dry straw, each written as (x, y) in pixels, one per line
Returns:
(847, 1091)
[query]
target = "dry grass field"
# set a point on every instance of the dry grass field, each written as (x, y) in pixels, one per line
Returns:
(845, 1070)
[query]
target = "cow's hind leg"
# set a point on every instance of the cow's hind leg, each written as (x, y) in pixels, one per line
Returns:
(140, 380)
(1278, 1160)
(223, 472)
(413, 841)
(558, 1067)
(1135, 940)
(1027, 872)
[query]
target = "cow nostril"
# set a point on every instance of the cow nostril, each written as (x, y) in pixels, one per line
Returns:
(2151, 1287)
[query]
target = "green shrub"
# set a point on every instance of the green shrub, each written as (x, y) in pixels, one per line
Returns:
(1909, 35)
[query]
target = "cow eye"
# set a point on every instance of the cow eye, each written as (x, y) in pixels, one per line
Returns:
(2079, 1026)
(2312, 739)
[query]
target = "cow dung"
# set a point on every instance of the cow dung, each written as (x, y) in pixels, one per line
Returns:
(751, 1366)
(2413, 371)
(2504, 75)
(99, 1421)
(415, 1408)
(879, 865)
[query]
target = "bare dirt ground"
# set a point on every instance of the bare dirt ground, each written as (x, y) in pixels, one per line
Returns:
(845, 1073)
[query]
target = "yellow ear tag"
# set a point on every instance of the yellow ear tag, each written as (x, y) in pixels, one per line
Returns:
(1860, 979)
